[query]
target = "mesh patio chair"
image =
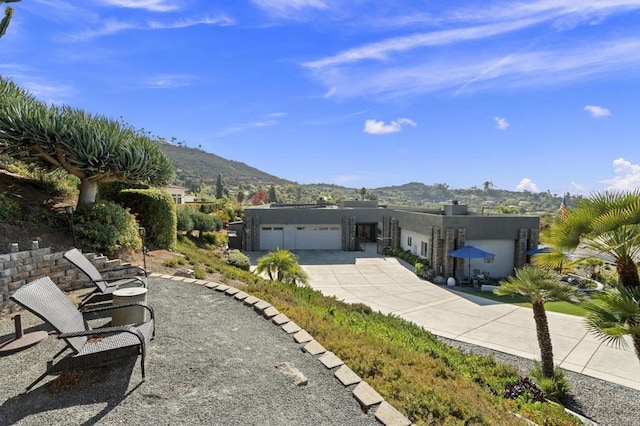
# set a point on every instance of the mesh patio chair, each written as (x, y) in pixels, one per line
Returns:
(90, 347)
(104, 286)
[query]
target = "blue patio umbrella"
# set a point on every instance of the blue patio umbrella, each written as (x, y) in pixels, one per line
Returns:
(471, 252)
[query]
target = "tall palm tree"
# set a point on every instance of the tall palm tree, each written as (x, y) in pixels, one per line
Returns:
(538, 286)
(607, 223)
(281, 265)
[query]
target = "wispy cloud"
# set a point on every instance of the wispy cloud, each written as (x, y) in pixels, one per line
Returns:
(417, 64)
(169, 81)
(627, 176)
(501, 123)
(290, 8)
(597, 111)
(527, 184)
(111, 27)
(375, 127)
(150, 5)
(243, 127)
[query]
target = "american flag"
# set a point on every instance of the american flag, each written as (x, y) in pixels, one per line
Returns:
(563, 211)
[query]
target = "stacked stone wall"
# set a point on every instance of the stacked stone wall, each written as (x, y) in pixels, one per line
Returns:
(18, 268)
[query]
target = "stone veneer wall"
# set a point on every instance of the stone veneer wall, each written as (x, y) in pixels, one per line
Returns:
(20, 267)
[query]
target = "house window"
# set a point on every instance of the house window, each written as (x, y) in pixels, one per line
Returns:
(424, 246)
(409, 241)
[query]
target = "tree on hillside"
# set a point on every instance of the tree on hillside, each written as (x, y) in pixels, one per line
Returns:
(93, 148)
(282, 265)
(260, 197)
(220, 189)
(273, 194)
(538, 286)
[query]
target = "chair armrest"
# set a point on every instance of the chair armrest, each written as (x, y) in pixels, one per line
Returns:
(147, 306)
(127, 279)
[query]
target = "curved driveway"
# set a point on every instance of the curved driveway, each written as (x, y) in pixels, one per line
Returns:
(389, 285)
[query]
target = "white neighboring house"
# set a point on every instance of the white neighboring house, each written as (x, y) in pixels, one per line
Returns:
(177, 193)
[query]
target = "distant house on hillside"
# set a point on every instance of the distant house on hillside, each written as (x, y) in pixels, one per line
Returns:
(428, 233)
(177, 193)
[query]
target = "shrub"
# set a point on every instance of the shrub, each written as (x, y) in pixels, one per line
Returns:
(156, 212)
(420, 264)
(523, 387)
(555, 388)
(184, 221)
(209, 237)
(203, 222)
(108, 228)
(239, 260)
(10, 210)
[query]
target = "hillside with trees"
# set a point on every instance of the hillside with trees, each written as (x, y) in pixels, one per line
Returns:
(207, 174)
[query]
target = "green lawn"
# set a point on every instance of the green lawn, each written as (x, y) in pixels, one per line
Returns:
(560, 307)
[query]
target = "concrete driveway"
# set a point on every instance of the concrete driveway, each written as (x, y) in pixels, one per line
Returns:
(388, 285)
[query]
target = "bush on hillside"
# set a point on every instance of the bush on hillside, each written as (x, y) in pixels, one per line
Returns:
(203, 222)
(156, 212)
(10, 210)
(239, 260)
(107, 228)
(184, 221)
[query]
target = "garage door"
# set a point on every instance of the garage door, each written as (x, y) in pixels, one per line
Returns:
(318, 238)
(271, 237)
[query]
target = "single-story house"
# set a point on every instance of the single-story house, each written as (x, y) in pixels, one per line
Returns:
(429, 233)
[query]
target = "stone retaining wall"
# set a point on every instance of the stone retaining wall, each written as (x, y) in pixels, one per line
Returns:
(20, 267)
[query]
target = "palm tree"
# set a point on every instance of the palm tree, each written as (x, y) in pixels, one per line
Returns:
(281, 265)
(619, 316)
(607, 223)
(538, 286)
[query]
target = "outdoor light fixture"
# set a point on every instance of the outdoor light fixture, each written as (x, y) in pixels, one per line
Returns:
(143, 233)
(70, 210)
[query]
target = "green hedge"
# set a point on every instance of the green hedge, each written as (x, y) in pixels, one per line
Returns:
(420, 264)
(107, 228)
(155, 210)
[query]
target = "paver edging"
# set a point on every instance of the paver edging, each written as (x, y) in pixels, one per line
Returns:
(366, 396)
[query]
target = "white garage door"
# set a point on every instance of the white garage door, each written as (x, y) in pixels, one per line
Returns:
(316, 237)
(271, 237)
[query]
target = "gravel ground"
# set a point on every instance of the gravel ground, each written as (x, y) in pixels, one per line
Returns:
(603, 402)
(213, 362)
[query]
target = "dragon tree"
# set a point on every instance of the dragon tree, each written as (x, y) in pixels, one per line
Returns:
(93, 148)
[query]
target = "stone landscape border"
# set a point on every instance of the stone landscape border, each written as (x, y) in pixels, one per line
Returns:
(366, 396)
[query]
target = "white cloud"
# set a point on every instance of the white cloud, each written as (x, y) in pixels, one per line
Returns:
(501, 123)
(169, 81)
(527, 184)
(150, 5)
(375, 127)
(597, 111)
(627, 176)
(289, 8)
(110, 27)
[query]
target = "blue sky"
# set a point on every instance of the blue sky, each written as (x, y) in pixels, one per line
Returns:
(537, 95)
